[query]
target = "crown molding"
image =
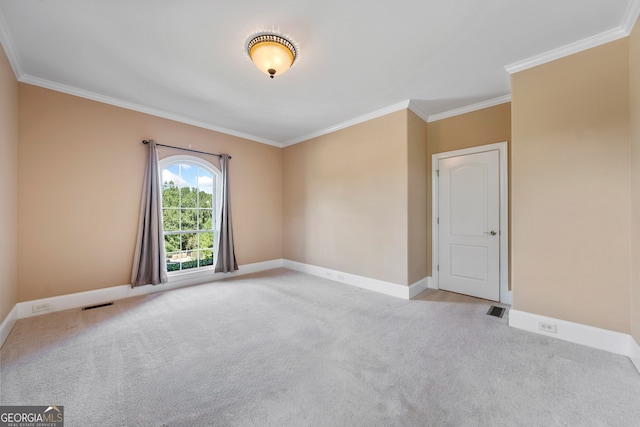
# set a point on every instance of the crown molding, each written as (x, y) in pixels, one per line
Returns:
(47, 84)
(360, 119)
(470, 108)
(70, 90)
(7, 43)
(570, 49)
(9, 48)
(418, 112)
(409, 104)
(630, 18)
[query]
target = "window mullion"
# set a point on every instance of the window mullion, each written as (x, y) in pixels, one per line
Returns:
(199, 212)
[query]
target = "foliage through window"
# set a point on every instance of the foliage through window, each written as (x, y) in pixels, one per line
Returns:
(189, 212)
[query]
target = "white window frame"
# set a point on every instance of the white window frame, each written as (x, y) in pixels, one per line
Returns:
(184, 158)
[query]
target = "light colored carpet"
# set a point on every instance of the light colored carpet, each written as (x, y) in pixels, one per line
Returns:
(282, 348)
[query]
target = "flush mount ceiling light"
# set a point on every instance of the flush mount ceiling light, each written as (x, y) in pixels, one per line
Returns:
(271, 53)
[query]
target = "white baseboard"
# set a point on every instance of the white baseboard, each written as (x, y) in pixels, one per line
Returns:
(179, 280)
(419, 287)
(7, 324)
(82, 299)
(603, 339)
(634, 353)
(375, 285)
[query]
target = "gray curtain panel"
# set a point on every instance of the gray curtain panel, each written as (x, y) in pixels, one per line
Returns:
(226, 261)
(149, 258)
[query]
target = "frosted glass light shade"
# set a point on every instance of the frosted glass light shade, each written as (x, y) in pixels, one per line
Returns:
(271, 53)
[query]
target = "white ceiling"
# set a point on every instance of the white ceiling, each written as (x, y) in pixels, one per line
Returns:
(186, 60)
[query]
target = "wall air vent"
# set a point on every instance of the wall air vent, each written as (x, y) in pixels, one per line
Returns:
(91, 307)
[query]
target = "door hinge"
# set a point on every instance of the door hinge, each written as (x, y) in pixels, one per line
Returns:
(438, 220)
(438, 267)
(437, 173)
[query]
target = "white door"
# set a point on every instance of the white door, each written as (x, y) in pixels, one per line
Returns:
(469, 224)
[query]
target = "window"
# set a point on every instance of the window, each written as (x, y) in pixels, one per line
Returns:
(189, 206)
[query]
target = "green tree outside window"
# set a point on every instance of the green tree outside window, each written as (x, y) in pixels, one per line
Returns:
(188, 204)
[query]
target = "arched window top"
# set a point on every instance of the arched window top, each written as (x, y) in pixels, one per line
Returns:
(190, 203)
(188, 160)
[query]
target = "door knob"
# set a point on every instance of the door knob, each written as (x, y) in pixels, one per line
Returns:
(492, 232)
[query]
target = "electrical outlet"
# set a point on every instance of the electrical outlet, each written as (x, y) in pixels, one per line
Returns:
(548, 327)
(39, 307)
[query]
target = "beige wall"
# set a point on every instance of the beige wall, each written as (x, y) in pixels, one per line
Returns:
(345, 200)
(330, 201)
(481, 127)
(8, 187)
(417, 191)
(634, 74)
(80, 175)
(570, 188)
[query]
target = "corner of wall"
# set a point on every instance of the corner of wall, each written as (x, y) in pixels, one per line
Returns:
(634, 121)
(418, 219)
(8, 189)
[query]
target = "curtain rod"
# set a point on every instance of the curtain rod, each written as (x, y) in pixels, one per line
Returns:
(184, 149)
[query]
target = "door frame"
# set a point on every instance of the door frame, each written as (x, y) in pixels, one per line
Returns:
(502, 147)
